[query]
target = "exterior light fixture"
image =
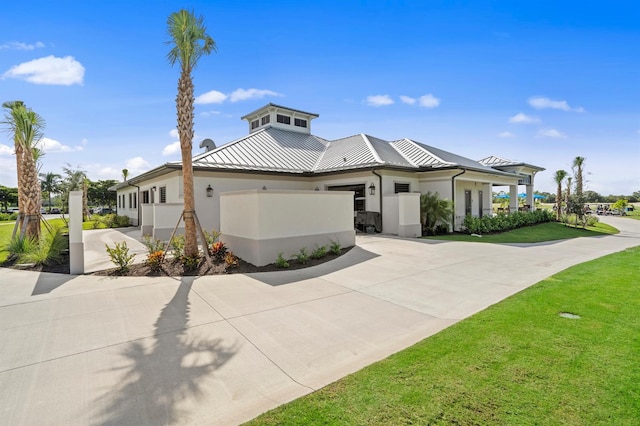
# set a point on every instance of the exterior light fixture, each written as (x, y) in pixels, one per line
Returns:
(264, 188)
(317, 189)
(372, 189)
(153, 188)
(209, 191)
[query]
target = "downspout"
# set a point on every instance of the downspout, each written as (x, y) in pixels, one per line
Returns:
(453, 197)
(137, 201)
(380, 194)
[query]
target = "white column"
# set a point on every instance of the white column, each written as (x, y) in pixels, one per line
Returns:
(76, 245)
(530, 197)
(513, 198)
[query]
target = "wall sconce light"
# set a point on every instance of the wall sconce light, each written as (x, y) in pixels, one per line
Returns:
(153, 188)
(372, 189)
(317, 189)
(264, 188)
(209, 191)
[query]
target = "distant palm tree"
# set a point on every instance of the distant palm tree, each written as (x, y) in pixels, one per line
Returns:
(190, 41)
(569, 180)
(50, 183)
(76, 180)
(559, 177)
(26, 128)
(125, 174)
(578, 164)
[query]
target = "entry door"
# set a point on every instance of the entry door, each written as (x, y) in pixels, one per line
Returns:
(467, 202)
(480, 204)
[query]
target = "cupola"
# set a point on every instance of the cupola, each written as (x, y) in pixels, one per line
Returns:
(272, 115)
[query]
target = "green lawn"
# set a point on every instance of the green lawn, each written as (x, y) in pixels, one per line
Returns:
(518, 362)
(550, 231)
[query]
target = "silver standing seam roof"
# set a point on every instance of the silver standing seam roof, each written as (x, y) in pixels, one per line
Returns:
(276, 150)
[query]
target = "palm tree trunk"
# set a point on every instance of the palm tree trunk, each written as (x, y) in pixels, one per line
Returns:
(184, 103)
(31, 193)
(559, 201)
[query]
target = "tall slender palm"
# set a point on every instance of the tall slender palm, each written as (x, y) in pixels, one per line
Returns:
(76, 180)
(125, 174)
(26, 127)
(50, 184)
(559, 177)
(568, 193)
(189, 41)
(578, 164)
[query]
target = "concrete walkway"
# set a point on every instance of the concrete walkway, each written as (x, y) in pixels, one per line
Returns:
(82, 350)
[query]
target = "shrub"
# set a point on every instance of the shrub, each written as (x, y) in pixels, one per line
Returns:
(504, 222)
(122, 221)
(231, 260)
(302, 256)
(18, 246)
(592, 220)
(335, 248)
(8, 216)
(218, 251)
(190, 263)
(281, 262)
(319, 252)
(177, 246)
(49, 250)
(153, 244)
(96, 221)
(211, 237)
(120, 256)
(154, 260)
(110, 220)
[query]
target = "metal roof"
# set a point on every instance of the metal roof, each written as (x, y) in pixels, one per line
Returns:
(270, 104)
(498, 162)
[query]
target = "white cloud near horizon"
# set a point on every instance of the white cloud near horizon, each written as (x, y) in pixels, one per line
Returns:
(523, 118)
(506, 135)
(552, 133)
(379, 100)
(136, 166)
(542, 103)
(6, 150)
(428, 101)
(52, 145)
(49, 70)
(171, 149)
(18, 45)
(216, 97)
(408, 100)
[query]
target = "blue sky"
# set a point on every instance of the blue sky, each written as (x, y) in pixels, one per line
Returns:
(539, 82)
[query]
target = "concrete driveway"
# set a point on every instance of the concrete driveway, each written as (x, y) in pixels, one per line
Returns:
(82, 350)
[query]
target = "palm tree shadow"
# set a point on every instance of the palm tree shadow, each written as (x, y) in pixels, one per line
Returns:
(161, 372)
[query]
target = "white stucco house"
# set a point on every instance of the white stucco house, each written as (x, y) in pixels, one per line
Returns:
(280, 153)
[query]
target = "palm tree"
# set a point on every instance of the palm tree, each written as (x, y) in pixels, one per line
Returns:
(190, 41)
(26, 127)
(76, 180)
(578, 164)
(568, 193)
(50, 183)
(434, 210)
(125, 174)
(559, 177)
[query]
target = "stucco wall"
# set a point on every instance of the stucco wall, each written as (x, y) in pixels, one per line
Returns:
(165, 220)
(401, 214)
(258, 224)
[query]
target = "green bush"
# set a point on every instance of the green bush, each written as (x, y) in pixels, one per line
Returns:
(8, 216)
(154, 260)
(177, 246)
(504, 222)
(211, 237)
(49, 250)
(120, 256)
(19, 246)
(231, 260)
(319, 252)
(302, 256)
(110, 220)
(281, 262)
(153, 244)
(335, 248)
(190, 263)
(122, 221)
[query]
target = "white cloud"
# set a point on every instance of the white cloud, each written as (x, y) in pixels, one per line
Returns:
(379, 100)
(171, 149)
(52, 145)
(6, 150)
(136, 166)
(506, 135)
(523, 118)
(552, 133)
(542, 103)
(209, 113)
(245, 94)
(408, 100)
(429, 101)
(211, 97)
(174, 133)
(49, 70)
(18, 45)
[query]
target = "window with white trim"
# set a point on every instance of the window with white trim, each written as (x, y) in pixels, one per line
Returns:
(163, 194)
(401, 187)
(284, 119)
(265, 120)
(299, 122)
(255, 124)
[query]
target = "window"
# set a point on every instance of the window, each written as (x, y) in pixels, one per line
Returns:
(145, 197)
(255, 124)
(135, 200)
(359, 197)
(265, 120)
(300, 122)
(163, 194)
(130, 200)
(284, 119)
(401, 187)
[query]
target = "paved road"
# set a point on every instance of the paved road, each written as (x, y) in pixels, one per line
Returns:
(82, 350)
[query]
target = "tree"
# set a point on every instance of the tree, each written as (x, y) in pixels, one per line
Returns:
(8, 196)
(75, 180)
(568, 193)
(189, 41)
(98, 193)
(620, 205)
(558, 178)
(50, 183)
(578, 164)
(434, 210)
(26, 127)
(125, 174)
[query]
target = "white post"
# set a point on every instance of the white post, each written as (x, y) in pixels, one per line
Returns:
(530, 199)
(513, 198)
(76, 245)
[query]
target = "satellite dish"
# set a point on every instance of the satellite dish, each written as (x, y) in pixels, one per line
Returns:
(208, 145)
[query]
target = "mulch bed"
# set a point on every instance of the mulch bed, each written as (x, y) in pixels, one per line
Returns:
(173, 268)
